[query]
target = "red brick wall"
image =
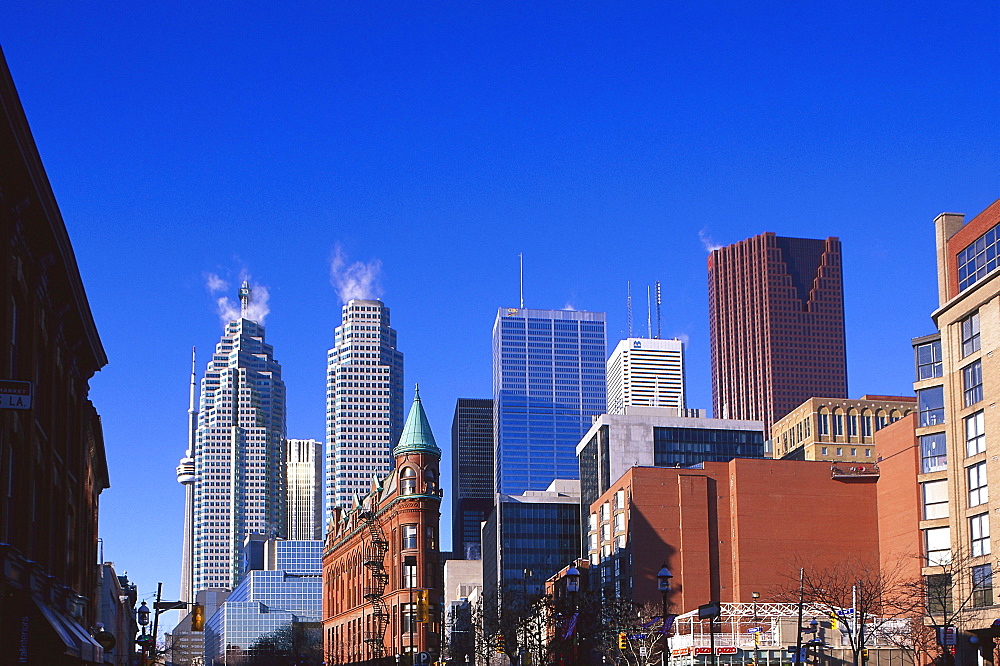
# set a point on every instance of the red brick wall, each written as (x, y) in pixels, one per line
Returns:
(899, 497)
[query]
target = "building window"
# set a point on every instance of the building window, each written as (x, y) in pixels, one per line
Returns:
(868, 453)
(978, 491)
(935, 499)
(937, 543)
(975, 434)
(619, 522)
(933, 456)
(431, 542)
(407, 481)
(852, 425)
(409, 537)
(822, 450)
(408, 619)
(409, 571)
(982, 586)
(824, 424)
(972, 382)
(939, 594)
(931, 402)
(854, 452)
(970, 334)
(977, 259)
(840, 451)
(620, 499)
(929, 360)
(838, 425)
(979, 534)
(605, 511)
(866, 426)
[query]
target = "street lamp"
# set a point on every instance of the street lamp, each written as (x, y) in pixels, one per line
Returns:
(756, 627)
(663, 583)
(573, 586)
(142, 617)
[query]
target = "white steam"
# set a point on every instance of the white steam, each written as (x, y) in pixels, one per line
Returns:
(229, 308)
(355, 280)
(707, 241)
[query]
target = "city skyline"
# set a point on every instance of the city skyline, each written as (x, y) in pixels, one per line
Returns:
(605, 144)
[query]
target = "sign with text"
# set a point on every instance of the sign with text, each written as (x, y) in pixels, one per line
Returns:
(15, 395)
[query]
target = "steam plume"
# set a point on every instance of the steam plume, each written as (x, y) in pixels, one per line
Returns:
(355, 280)
(229, 308)
(707, 241)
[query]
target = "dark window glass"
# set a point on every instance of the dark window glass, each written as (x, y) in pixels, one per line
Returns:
(982, 585)
(970, 334)
(931, 402)
(932, 453)
(929, 360)
(972, 383)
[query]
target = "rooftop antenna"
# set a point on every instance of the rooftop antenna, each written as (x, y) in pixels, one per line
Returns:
(657, 309)
(244, 299)
(520, 256)
(192, 412)
(628, 287)
(649, 315)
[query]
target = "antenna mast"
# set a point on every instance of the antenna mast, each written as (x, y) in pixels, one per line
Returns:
(192, 412)
(244, 299)
(657, 309)
(649, 315)
(520, 256)
(628, 288)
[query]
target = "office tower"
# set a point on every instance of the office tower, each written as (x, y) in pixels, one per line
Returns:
(285, 596)
(471, 474)
(660, 437)
(364, 401)
(186, 477)
(527, 538)
(304, 480)
(646, 373)
(548, 383)
(776, 319)
(239, 452)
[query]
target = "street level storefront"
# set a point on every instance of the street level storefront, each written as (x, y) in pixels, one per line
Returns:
(767, 633)
(39, 618)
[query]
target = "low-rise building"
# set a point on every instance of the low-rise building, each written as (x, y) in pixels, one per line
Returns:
(843, 430)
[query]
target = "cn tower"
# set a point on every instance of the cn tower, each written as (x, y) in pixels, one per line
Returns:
(185, 477)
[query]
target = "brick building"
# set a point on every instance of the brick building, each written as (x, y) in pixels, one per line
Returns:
(727, 530)
(382, 587)
(776, 323)
(52, 461)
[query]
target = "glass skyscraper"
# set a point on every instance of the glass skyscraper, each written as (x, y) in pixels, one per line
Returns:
(364, 401)
(239, 456)
(471, 474)
(548, 383)
(304, 474)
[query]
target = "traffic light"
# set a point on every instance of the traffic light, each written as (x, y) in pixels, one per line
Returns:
(197, 617)
(499, 645)
(622, 640)
(423, 605)
(864, 655)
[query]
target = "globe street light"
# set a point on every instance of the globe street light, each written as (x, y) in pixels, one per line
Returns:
(663, 583)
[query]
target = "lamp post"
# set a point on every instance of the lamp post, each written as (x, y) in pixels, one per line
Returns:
(756, 626)
(573, 586)
(142, 617)
(663, 583)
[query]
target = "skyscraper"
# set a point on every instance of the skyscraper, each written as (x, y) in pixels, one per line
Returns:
(776, 318)
(471, 474)
(646, 372)
(548, 382)
(364, 401)
(304, 474)
(239, 452)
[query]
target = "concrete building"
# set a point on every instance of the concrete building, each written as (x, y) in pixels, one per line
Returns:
(471, 474)
(239, 454)
(382, 587)
(838, 430)
(548, 384)
(526, 539)
(645, 372)
(462, 580)
(729, 529)
(304, 480)
(259, 619)
(52, 462)
(776, 321)
(364, 401)
(661, 437)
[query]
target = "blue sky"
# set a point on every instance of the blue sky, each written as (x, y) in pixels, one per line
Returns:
(606, 141)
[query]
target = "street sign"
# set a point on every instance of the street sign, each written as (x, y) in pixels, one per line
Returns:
(423, 658)
(710, 610)
(753, 630)
(637, 637)
(15, 395)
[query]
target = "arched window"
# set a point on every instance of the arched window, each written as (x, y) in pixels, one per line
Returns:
(407, 481)
(431, 481)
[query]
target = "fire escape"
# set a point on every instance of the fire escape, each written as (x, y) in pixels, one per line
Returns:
(375, 552)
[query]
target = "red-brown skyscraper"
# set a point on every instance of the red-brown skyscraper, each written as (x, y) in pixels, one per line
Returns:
(776, 319)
